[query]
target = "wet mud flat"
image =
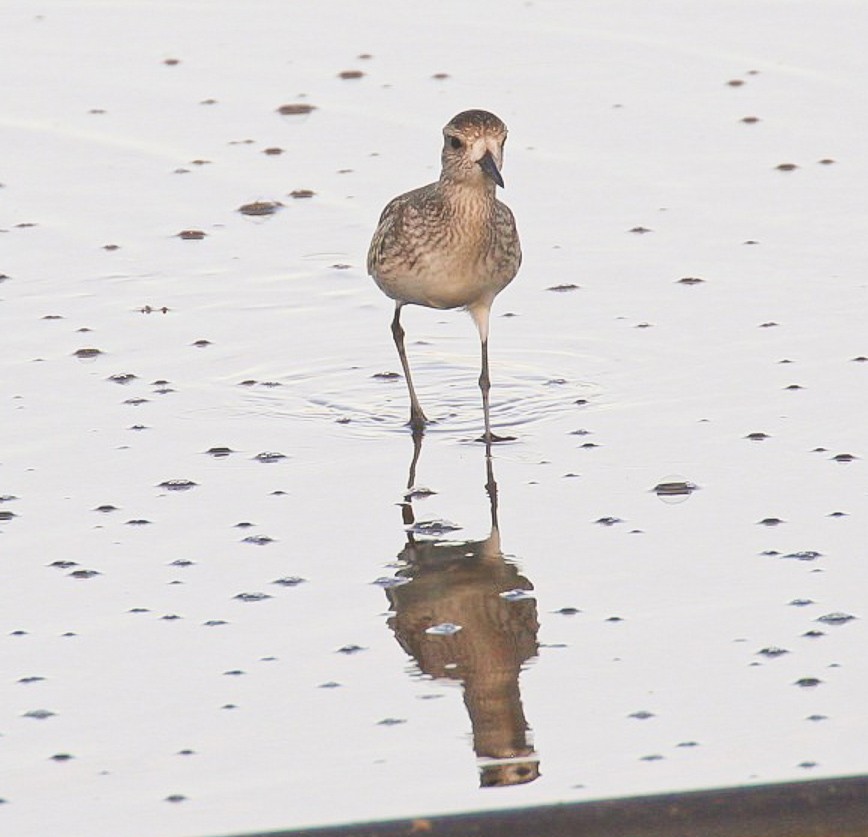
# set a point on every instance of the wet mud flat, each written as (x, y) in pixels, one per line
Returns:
(239, 597)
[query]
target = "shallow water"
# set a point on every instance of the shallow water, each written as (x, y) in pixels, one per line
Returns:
(243, 650)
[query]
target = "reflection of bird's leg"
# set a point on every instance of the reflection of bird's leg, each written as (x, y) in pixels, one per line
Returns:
(407, 506)
(417, 417)
(491, 484)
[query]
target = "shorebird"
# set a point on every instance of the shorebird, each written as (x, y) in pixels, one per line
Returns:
(452, 243)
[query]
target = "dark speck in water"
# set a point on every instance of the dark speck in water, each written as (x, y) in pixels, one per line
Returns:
(800, 602)
(807, 682)
(837, 618)
(260, 208)
(191, 235)
(568, 611)
(608, 521)
(177, 485)
(770, 521)
(772, 651)
(252, 597)
(757, 437)
(84, 574)
(690, 280)
(563, 288)
(258, 540)
(804, 555)
(295, 109)
(269, 456)
(350, 649)
(219, 452)
(844, 457)
(289, 581)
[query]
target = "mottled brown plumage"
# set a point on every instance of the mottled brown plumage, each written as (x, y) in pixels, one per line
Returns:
(450, 244)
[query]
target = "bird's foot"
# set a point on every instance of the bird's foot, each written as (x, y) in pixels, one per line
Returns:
(493, 438)
(418, 422)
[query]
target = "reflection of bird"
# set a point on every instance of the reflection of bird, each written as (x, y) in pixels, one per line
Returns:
(450, 244)
(461, 584)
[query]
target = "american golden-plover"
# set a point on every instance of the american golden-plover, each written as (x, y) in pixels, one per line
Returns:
(450, 244)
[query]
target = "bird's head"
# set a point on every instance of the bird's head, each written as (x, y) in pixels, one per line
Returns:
(473, 149)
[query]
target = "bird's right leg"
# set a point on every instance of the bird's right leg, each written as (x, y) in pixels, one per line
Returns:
(417, 417)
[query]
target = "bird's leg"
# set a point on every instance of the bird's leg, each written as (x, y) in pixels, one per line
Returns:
(417, 417)
(485, 387)
(480, 315)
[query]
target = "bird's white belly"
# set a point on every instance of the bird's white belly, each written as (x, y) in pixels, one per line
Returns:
(443, 283)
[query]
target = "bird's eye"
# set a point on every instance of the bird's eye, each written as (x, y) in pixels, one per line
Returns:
(456, 143)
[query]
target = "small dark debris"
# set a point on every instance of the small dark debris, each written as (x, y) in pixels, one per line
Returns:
(269, 456)
(772, 651)
(563, 288)
(171, 617)
(640, 230)
(675, 488)
(177, 485)
(191, 235)
(258, 540)
(844, 457)
(641, 715)
(735, 82)
(350, 74)
(770, 521)
(750, 120)
(804, 555)
(289, 581)
(35, 678)
(386, 376)
(138, 521)
(61, 757)
(39, 714)
(84, 354)
(817, 718)
(273, 151)
(219, 452)
(690, 280)
(147, 309)
(301, 194)
(84, 573)
(769, 324)
(350, 649)
(122, 378)
(800, 602)
(568, 611)
(793, 387)
(836, 618)
(260, 208)
(786, 167)
(176, 797)
(111, 247)
(201, 344)
(440, 76)
(826, 161)
(807, 682)
(608, 521)
(295, 109)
